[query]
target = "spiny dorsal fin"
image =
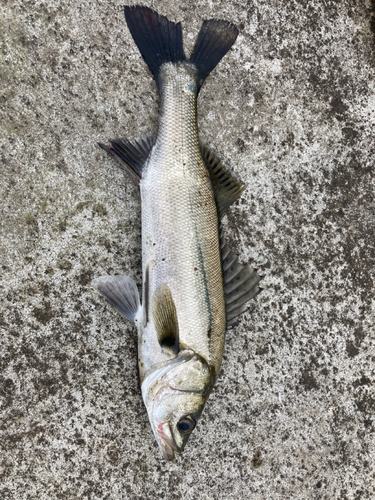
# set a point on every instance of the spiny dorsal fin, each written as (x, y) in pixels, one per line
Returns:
(240, 282)
(121, 292)
(132, 153)
(227, 188)
(165, 319)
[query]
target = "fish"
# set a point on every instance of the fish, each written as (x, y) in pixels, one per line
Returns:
(193, 286)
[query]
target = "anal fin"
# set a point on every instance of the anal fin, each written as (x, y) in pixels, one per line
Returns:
(132, 153)
(226, 186)
(121, 292)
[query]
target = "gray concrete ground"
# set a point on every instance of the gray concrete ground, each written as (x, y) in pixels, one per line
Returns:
(292, 110)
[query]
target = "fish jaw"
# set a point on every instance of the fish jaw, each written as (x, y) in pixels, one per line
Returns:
(166, 442)
(151, 388)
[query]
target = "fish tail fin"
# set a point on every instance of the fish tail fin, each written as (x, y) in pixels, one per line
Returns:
(214, 40)
(158, 39)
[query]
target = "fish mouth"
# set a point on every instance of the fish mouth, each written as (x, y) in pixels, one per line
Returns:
(166, 441)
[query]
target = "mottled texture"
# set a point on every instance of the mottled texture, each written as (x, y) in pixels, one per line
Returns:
(292, 109)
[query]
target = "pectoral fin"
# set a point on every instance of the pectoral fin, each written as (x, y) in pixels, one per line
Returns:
(165, 317)
(227, 188)
(121, 292)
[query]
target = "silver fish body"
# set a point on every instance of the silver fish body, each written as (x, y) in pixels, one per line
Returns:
(180, 229)
(193, 284)
(180, 249)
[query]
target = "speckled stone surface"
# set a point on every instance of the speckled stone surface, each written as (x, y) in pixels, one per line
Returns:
(292, 110)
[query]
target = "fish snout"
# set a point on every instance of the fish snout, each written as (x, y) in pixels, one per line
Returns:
(166, 440)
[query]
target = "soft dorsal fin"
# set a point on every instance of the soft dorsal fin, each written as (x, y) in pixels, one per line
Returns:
(227, 187)
(165, 319)
(132, 153)
(121, 292)
(240, 282)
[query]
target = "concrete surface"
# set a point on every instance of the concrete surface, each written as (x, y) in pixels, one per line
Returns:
(292, 110)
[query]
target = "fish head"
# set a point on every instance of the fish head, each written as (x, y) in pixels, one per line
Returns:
(175, 395)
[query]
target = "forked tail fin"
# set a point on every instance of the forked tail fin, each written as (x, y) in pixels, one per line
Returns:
(214, 40)
(160, 40)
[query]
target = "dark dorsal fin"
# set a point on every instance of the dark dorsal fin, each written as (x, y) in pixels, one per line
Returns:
(121, 292)
(165, 319)
(227, 187)
(132, 153)
(240, 282)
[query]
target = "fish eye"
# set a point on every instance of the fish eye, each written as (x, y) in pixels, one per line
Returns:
(187, 424)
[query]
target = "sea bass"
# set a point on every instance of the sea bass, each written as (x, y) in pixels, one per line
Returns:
(193, 284)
